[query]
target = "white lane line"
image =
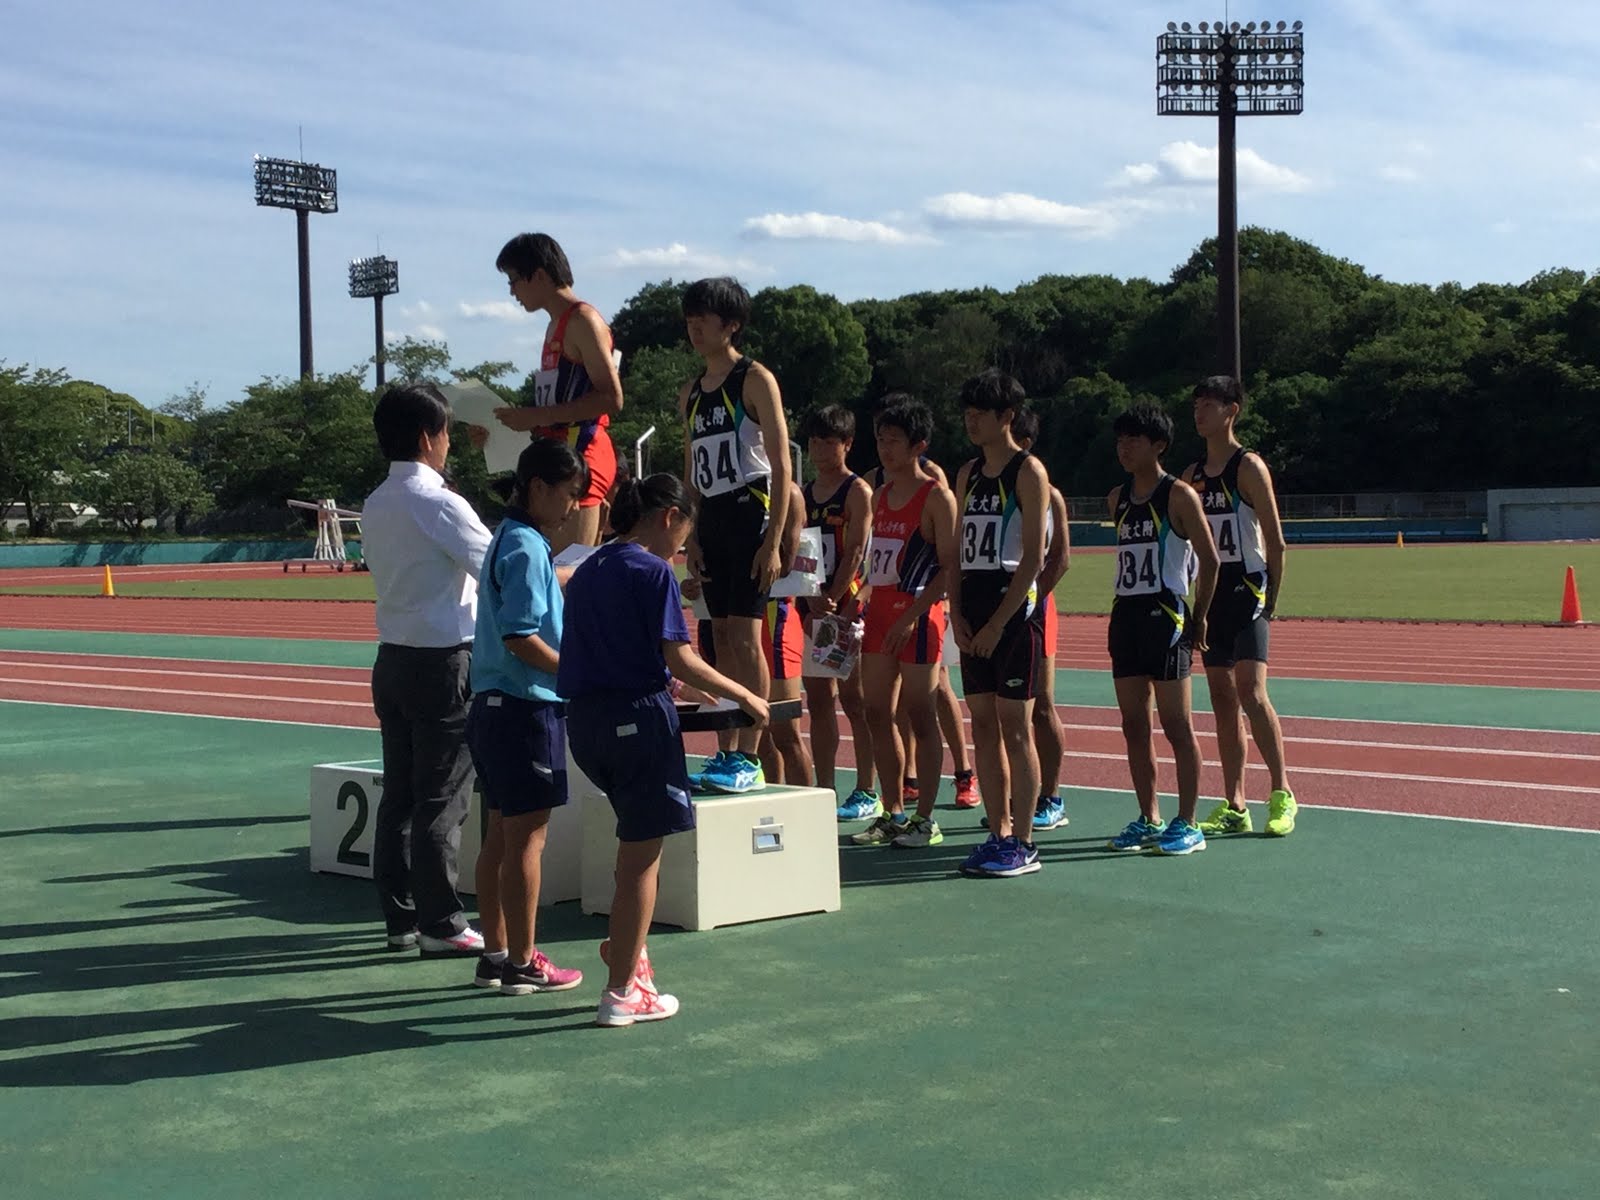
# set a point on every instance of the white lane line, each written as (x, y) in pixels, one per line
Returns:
(116, 687)
(123, 671)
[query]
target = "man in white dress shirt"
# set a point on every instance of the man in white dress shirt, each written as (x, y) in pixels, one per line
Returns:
(424, 546)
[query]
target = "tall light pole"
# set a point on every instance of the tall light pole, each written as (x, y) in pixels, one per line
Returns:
(376, 277)
(307, 188)
(1226, 71)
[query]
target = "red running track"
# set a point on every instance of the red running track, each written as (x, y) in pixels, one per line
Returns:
(1488, 655)
(1514, 776)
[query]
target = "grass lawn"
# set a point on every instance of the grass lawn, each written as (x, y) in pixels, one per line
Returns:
(1478, 582)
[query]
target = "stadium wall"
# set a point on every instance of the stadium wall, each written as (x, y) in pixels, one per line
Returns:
(1350, 531)
(94, 554)
(1544, 514)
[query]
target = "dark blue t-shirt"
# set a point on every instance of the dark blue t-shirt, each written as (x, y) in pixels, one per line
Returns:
(622, 603)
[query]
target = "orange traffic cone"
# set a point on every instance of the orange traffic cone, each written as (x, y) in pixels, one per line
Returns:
(1571, 611)
(1400, 539)
(107, 588)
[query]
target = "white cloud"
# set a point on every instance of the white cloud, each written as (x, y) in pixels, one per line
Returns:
(1185, 163)
(1017, 210)
(1503, 227)
(491, 310)
(424, 332)
(1400, 173)
(419, 311)
(826, 227)
(677, 257)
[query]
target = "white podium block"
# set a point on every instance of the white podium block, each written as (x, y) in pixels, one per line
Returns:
(344, 807)
(772, 853)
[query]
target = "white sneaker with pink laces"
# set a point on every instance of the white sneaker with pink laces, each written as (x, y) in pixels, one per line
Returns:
(636, 1004)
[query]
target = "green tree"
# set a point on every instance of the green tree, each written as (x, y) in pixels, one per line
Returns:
(417, 360)
(41, 444)
(652, 316)
(136, 486)
(812, 343)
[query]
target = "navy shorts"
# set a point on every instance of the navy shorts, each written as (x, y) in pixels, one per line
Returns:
(1145, 639)
(1236, 629)
(1009, 671)
(519, 749)
(632, 750)
(730, 530)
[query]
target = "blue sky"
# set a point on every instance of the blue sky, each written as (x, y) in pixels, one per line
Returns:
(868, 148)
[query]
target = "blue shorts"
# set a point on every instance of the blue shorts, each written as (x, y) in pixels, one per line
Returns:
(632, 750)
(519, 749)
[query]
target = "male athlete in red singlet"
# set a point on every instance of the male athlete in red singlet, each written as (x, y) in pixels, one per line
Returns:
(576, 390)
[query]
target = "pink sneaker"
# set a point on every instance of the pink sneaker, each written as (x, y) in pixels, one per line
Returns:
(636, 1004)
(541, 975)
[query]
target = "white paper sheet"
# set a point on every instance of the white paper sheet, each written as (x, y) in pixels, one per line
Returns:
(573, 555)
(474, 402)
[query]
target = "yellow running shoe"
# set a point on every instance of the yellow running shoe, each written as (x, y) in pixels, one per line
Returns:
(1281, 809)
(1224, 819)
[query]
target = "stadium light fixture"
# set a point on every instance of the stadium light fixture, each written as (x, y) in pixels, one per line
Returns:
(306, 188)
(1227, 71)
(376, 277)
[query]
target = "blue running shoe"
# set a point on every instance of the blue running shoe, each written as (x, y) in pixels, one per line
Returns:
(735, 775)
(973, 865)
(1011, 859)
(1135, 835)
(697, 781)
(1051, 813)
(1179, 837)
(861, 805)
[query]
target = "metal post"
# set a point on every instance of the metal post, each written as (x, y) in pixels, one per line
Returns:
(302, 224)
(1229, 351)
(377, 322)
(638, 452)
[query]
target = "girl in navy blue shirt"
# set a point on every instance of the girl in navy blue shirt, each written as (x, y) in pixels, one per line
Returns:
(624, 642)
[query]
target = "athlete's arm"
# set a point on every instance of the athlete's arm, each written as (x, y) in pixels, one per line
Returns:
(1255, 484)
(591, 338)
(958, 621)
(793, 524)
(938, 527)
(691, 548)
(688, 666)
(857, 535)
(1059, 556)
(1112, 500)
(1033, 502)
(1189, 519)
(762, 401)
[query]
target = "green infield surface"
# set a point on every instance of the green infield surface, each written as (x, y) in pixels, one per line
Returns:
(1478, 582)
(1378, 1006)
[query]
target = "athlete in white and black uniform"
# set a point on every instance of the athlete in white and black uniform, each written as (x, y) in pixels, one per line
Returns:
(1235, 489)
(1163, 545)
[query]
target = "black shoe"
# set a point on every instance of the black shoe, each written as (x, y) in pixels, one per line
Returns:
(488, 973)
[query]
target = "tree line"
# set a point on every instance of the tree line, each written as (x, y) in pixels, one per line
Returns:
(1355, 384)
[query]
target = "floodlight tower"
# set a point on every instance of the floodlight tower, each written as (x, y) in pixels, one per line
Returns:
(1223, 71)
(376, 277)
(306, 188)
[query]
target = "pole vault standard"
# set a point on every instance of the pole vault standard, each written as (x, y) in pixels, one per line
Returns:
(329, 550)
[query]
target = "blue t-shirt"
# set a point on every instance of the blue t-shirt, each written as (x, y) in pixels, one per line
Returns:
(622, 603)
(518, 596)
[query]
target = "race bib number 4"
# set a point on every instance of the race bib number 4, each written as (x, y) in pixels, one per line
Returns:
(1136, 571)
(980, 543)
(1225, 533)
(716, 464)
(883, 561)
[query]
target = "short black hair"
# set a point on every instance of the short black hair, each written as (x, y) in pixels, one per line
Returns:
(530, 252)
(830, 421)
(1025, 425)
(724, 298)
(910, 417)
(636, 498)
(889, 399)
(1220, 387)
(549, 461)
(993, 391)
(1144, 420)
(403, 414)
